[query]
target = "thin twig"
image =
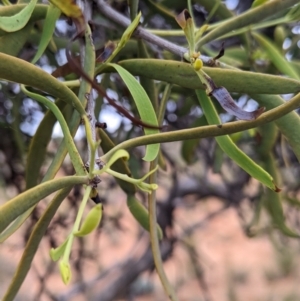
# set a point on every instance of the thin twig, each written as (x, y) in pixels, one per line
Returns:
(87, 50)
(142, 33)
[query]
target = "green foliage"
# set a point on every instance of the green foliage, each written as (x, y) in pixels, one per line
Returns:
(236, 73)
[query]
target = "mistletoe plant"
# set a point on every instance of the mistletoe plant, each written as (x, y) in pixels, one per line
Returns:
(211, 77)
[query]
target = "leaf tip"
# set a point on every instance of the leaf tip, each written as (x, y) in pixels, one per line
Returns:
(277, 189)
(258, 112)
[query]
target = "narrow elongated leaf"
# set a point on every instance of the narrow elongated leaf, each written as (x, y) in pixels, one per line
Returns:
(56, 253)
(221, 12)
(276, 56)
(273, 202)
(38, 13)
(144, 107)
(91, 221)
(11, 43)
(125, 38)
(233, 80)
(119, 166)
(32, 245)
(268, 134)
(19, 20)
(65, 271)
(38, 146)
(249, 17)
(224, 98)
(288, 125)
(20, 71)
(258, 3)
(22, 202)
(231, 149)
(68, 7)
(53, 14)
(141, 214)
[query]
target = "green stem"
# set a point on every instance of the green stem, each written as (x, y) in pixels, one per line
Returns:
(152, 210)
(134, 4)
(208, 131)
(75, 228)
(251, 16)
(154, 239)
(73, 152)
(163, 103)
(72, 83)
(32, 244)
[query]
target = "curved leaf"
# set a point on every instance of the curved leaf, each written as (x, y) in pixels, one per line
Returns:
(276, 57)
(288, 125)
(22, 202)
(11, 43)
(119, 166)
(144, 106)
(91, 221)
(19, 20)
(231, 149)
(249, 17)
(53, 14)
(272, 201)
(20, 71)
(141, 214)
(184, 75)
(32, 245)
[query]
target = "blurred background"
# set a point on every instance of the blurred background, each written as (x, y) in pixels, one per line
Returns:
(216, 247)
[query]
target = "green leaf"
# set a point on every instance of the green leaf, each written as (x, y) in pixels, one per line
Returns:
(185, 21)
(32, 244)
(251, 16)
(119, 166)
(19, 20)
(20, 71)
(13, 42)
(65, 271)
(221, 10)
(53, 14)
(141, 214)
(125, 37)
(276, 57)
(288, 124)
(272, 200)
(184, 75)
(73, 152)
(233, 152)
(189, 146)
(144, 107)
(258, 3)
(22, 202)
(56, 253)
(91, 221)
(68, 7)
(119, 154)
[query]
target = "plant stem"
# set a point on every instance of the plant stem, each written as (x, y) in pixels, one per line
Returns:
(251, 16)
(163, 103)
(33, 243)
(210, 130)
(76, 223)
(142, 33)
(72, 150)
(152, 211)
(169, 290)
(87, 54)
